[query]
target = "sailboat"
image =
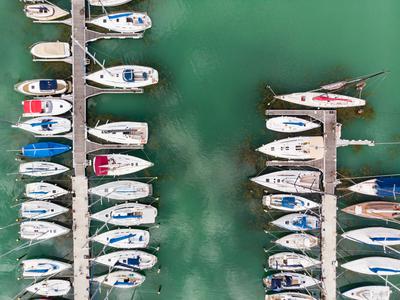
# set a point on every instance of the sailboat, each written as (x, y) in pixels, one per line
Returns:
(44, 190)
(51, 50)
(127, 260)
(297, 222)
(124, 238)
(289, 124)
(44, 12)
(290, 261)
(289, 281)
(379, 236)
(321, 100)
(42, 87)
(121, 279)
(374, 265)
(127, 214)
(296, 148)
(375, 210)
(44, 149)
(289, 296)
(128, 133)
(45, 125)
(124, 22)
(50, 288)
(289, 203)
(369, 292)
(40, 210)
(41, 230)
(298, 241)
(41, 169)
(42, 267)
(118, 164)
(122, 190)
(291, 181)
(108, 2)
(380, 186)
(48, 106)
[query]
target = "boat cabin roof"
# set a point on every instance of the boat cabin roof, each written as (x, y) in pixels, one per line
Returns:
(32, 106)
(48, 85)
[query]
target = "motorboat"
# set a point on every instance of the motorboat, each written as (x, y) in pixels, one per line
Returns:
(124, 238)
(41, 169)
(380, 186)
(45, 125)
(123, 190)
(379, 236)
(374, 265)
(298, 241)
(41, 230)
(321, 100)
(375, 210)
(127, 260)
(298, 222)
(40, 210)
(369, 292)
(51, 50)
(45, 107)
(118, 164)
(108, 3)
(127, 214)
(44, 149)
(289, 203)
(290, 261)
(289, 296)
(296, 148)
(42, 87)
(50, 288)
(44, 12)
(42, 267)
(291, 181)
(44, 191)
(127, 133)
(121, 279)
(125, 77)
(124, 22)
(289, 281)
(289, 124)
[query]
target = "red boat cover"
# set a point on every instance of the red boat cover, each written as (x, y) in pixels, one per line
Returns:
(32, 106)
(100, 165)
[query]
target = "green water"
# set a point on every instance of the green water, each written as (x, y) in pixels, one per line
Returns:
(205, 117)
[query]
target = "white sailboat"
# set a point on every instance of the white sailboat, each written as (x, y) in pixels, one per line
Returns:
(122, 190)
(108, 3)
(45, 125)
(127, 133)
(298, 241)
(42, 87)
(321, 100)
(289, 203)
(118, 164)
(125, 76)
(124, 22)
(121, 279)
(41, 230)
(127, 260)
(290, 261)
(43, 190)
(51, 50)
(40, 210)
(50, 288)
(289, 124)
(124, 238)
(291, 181)
(127, 214)
(374, 265)
(289, 296)
(296, 148)
(379, 236)
(41, 169)
(370, 292)
(48, 106)
(289, 281)
(298, 222)
(42, 267)
(44, 12)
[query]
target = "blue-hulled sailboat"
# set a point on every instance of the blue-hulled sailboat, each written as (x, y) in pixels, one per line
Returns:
(380, 186)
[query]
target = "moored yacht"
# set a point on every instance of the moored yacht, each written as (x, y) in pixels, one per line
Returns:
(289, 203)
(118, 164)
(380, 186)
(44, 11)
(127, 133)
(124, 22)
(45, 107)
(50, 288)
(124, 238)
(45, 125)
(127, 260)
(40, 210)
(44, 149)
(51, 50)
(42, 87)
(41, 169)
(290, 261)
(297, 222)
(375, 210)
(289, 296)
(289, 281)
(108, 3)
(379, 236)
(369, 292)
(41, 230)
(374, 265)
(289, 124)
(298, 241)
(44, 190)
(321, 100)
(122, 190)
(121, 279)
(42, 267)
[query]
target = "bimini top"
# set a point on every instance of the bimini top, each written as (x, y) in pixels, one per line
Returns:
(44, 149)
(33, 106)
(48, 85)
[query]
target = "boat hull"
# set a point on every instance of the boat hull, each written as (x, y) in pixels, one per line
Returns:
(44, 12)
(298, 222)
(41, 230)
(288, 124)
(298, 241)
(43, 191)
(42, 87)
(279, 282)
(288, 203)
(374, 265)
(127, 133)
(372, 292)
(118, 164)
(124, 238)
(128, 260)
(378, 236)
(108, 3)
(321, 100)
(290, 261)
(45, 107)
(375, 210)
(50, 288)
(41, 210)
(121, 279)
(43, 150)
(122, 190)
(124, 22)
(46, 126)
(51, 50)
(42, 267)
(41, 169)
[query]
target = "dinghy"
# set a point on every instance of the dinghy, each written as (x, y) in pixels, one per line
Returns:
(42, 87)
(321, 100)
(122, 190)
(51, 50)
(375, 210)
(297, 222)
(127, 133)
(42, 267)
(45, 125)
(288, 124)
(370, 292)
(45, 107)
(127, 260)
(124, 22)
(289, 203)
(298, 241)
(289, 281)
(381, 187)
(296, 148)
(124, 238)
(118, 164)
(41, 230)
(121, 279)
(374, 265)
(379, 236)
(291, 181)
(107, 3)
(43, 190)
(44, 149)
(41, 169)
(289, 296)
(125, 77)
(127, 214)
(290, 261)
(50, 288)
(44, 12)
(40, 210)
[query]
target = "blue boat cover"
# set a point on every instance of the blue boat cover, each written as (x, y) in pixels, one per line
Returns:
(295, 123)
(116, 16)
(376, 270)
(44, 123)
(48, 85)
(134, 261)
(381, 239)
(44, 149)
(387, 186)
(121, 238)
(128, 75)
(302, 223)
(289, 202)
(140, 20)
